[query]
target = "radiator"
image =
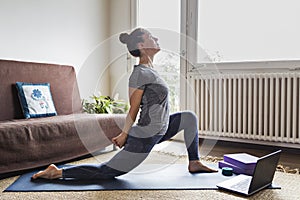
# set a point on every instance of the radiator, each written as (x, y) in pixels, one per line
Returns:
(255, 106)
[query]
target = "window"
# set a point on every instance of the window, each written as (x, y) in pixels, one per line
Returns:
(248, 30)
(162, 19)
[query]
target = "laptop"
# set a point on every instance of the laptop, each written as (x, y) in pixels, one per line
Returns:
(262, 177)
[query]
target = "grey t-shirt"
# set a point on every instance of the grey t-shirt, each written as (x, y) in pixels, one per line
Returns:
(154, 114)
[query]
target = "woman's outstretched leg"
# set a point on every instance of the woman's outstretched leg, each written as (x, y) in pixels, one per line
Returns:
(188, 122)
(135, 152)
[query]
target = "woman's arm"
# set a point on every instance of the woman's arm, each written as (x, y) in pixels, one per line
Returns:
(135, 102)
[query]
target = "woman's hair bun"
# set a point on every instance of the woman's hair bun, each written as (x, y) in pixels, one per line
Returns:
(124, 38)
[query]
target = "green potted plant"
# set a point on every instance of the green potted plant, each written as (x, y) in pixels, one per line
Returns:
(104, 104)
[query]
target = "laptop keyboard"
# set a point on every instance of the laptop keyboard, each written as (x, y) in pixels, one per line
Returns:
(242, 185)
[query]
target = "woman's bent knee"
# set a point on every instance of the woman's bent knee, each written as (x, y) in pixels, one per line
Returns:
(189, 116)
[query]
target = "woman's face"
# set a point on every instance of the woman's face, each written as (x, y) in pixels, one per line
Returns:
(150, 45)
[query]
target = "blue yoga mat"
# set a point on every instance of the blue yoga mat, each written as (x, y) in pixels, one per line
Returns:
(145, 177)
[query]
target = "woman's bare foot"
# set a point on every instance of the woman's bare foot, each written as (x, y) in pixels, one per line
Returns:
(52, 172)
(195, 166)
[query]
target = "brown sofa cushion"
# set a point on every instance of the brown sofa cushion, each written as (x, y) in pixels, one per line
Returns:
(30, 143)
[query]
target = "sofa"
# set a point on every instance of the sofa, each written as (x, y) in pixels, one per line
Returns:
(27, 143)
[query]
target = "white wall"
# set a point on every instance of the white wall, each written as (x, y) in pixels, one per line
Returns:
(58, 31)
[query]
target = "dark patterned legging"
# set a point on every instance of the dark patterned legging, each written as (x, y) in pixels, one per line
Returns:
(137, 149)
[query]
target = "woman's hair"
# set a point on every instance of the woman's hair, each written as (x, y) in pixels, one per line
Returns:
(132, 40)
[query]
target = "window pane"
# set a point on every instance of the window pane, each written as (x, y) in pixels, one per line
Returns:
(162, 19)
(235, 30)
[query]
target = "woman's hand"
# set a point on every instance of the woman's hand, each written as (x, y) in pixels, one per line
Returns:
(120, 139)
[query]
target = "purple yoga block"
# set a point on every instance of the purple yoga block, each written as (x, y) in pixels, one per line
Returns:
(236, 170)
(241, 160)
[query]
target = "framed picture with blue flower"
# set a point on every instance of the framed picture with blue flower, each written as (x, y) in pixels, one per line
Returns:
(36, 99)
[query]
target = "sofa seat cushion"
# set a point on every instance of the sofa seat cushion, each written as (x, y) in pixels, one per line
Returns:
(35, 142)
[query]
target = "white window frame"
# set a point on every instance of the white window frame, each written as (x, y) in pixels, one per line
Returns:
(189, 65)
(188, 47)
(190, 24)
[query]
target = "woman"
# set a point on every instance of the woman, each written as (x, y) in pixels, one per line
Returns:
(148, 93)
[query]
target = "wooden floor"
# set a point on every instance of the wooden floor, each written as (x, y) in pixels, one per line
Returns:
(289, 157)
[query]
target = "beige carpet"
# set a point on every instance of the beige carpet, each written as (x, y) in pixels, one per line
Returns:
(289, 183)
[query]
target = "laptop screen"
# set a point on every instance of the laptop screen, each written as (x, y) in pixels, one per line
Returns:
(264, 171)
